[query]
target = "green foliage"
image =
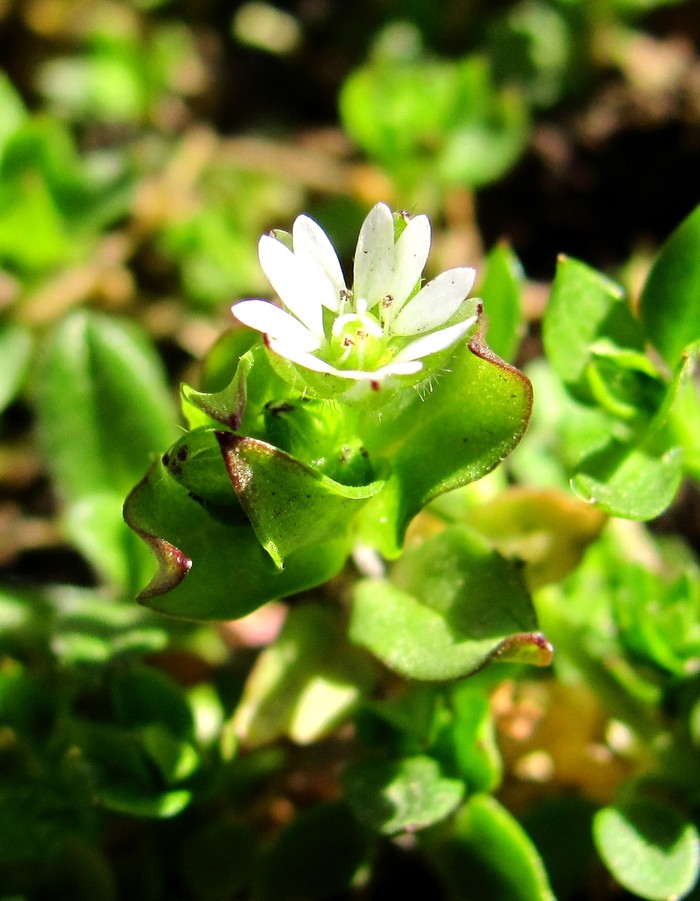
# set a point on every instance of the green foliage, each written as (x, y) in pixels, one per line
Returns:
(353, 737)
(627, 453)
(450, 606)
(100, 379)
(447, 118)
(650, 848)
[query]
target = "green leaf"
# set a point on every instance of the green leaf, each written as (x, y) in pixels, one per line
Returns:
(16, 344)
(649, 847)
(451, 606)
(636, 484)
(547, 530)
(87, 628)
(218, 860)
(315, 857)
(12, 111)
(658, 617)
(624, 382)
(290, 505)
(142, 696)
(499, 289)
(476, 753)
(461, 428)
(209, 568)
(142, 804)
(428, 115)
(403, 795)
(584, 308)
(670, 302)
(104, 410)
(305, 683)
(176, 760)
(486, 854)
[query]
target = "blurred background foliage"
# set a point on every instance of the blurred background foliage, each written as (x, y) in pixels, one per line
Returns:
(144, 147)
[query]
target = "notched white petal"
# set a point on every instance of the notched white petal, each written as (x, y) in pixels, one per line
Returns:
(431, 344)
(295, 354)
(301, 287)
(374, 255)
(435, 303)
(312, 245)
(270, 320)
(411, 255)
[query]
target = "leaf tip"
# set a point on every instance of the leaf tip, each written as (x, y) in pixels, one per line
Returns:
(525, 647)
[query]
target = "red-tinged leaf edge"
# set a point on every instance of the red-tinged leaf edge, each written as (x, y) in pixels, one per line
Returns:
(173, 564)
(525, 647)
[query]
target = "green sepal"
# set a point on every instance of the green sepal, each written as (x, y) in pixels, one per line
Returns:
(450, 606)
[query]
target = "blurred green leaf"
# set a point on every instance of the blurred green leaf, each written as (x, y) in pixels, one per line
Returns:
(143, 804)
(54, 202)
(314, 857)
(305, 683)
(12, 111)
(218, 860)
(636, 484)
(547, 530)
(468, 735)
(486, 854)
(650, 848)
(451, 605)
(499, 289)
(404, 795)
(670, 302)
(16, 345)
(176, 760)
(100, 388)
(143, 696)
(441, 119)
(585, 307)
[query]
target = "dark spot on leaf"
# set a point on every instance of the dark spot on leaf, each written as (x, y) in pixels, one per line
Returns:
(183, 454)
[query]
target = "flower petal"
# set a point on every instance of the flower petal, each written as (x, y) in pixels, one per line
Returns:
(435, 303)
(411, 254)
(431, 344)
(312, 245)
(275, 323)
(374, 256)
(302, 288)
(309, 361)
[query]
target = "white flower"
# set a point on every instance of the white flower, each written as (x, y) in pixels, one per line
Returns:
(381, 328)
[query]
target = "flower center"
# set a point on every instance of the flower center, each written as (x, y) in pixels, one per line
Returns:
(357, 339)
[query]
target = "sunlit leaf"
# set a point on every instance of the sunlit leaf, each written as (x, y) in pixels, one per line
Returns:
(650, 848)
(450, 606)
(401, 795)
